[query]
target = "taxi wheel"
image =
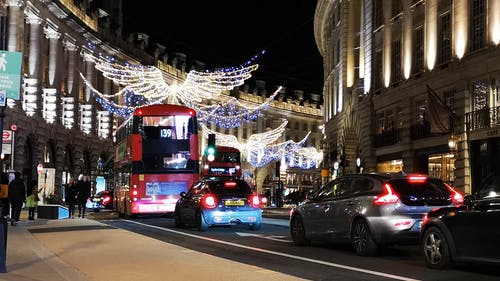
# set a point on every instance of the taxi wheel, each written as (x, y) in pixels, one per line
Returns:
(362, 239)
(202, 225)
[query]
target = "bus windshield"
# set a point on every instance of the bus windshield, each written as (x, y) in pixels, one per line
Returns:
(165, 142)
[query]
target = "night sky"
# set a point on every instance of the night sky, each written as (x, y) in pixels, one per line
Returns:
(226, 33)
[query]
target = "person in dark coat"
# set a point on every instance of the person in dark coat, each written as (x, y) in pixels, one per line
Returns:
(84, 191)
(17, 196)
(71, 193)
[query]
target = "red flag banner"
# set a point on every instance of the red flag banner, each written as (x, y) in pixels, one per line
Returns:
(439, 116)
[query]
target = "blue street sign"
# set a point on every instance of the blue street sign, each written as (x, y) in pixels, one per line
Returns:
(10, 73)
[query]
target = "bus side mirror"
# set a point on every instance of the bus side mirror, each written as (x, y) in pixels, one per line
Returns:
(183, 194)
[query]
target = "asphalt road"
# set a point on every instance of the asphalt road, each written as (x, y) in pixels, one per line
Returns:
(271, 248)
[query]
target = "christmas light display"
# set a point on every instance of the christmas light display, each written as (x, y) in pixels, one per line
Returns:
(264, 148)
(206, 93)
(202, 91)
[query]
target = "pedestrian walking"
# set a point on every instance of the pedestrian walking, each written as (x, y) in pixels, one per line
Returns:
(84, 191)
(71, 194)
(32, 199)
(17, 196)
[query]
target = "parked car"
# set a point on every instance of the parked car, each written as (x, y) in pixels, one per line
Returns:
(219, 202)
(370, 210)
(469, 233)
(101, 200)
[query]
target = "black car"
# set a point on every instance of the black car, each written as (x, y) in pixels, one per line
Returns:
(469, 233)
(370, 210)
(101, 200)
(219, 202)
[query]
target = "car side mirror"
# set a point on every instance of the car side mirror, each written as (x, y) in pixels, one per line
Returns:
(468, 200)
(183, 194)
(310, 196)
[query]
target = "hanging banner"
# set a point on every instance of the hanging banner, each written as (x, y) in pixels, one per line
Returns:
(10, 73)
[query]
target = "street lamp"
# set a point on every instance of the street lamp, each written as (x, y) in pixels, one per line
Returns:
(452, 142)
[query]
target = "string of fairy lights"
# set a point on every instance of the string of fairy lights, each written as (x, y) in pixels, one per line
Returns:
(264, 148)
(206, 93)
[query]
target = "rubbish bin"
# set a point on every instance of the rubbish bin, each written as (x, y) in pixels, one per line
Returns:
(3, 240)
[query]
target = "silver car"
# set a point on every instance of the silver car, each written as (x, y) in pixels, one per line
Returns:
(370, 210)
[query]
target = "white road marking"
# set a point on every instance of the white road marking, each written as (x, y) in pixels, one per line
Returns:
(346, 267)
(268, 237)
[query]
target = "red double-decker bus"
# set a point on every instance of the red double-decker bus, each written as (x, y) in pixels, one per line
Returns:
(226, 163)
(156, 158)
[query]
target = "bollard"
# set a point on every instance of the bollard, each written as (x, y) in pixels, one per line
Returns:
(3, 241)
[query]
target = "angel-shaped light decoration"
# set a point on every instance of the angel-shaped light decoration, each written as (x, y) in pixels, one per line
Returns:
(202, 91)
(263, 148)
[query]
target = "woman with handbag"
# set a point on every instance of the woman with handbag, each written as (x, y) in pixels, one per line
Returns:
(32, 200)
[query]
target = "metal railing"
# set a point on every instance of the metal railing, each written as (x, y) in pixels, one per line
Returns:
(482, 119)
(385, 138)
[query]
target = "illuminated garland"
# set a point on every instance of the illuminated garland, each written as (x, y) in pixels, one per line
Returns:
(145, 85)
(203, 91)
(262, 149)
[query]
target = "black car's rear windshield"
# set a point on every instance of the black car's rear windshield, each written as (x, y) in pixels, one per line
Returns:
(414, 187)
(230, 187)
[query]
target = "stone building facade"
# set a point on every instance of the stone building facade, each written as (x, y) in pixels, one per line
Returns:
(59, 124)
(389, 64)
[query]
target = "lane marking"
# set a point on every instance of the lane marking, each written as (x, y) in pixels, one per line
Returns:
(346, 267)
(269, 237)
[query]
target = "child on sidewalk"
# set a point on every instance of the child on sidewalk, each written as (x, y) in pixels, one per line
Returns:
(32, 200)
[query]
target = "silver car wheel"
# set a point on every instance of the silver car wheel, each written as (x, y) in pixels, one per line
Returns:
(362, 239)
(435, 249)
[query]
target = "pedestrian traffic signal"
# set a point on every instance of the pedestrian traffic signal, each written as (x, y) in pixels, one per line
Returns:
(210, 152)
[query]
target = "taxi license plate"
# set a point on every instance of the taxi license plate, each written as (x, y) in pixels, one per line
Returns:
(234, 202)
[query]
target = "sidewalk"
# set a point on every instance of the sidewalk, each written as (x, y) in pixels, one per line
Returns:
(85, 249)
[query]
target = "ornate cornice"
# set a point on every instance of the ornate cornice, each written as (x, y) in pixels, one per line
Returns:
(69, 43)
(32, 15)
(86, 53)
(50, 30)
(58, 12)
(14, 3)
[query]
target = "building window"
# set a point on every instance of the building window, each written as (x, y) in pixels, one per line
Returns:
(445, 38)
(479, 95)
(338, 16)
(397, 8)
(449, 99)
(337, 53)
(419, 49)
(378, 13)
(389, 120)
(380, 123)
(396, 61)
(478, 23)
(420, 112)
(377, 64)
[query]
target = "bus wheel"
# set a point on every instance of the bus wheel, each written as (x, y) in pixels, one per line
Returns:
(202, 225)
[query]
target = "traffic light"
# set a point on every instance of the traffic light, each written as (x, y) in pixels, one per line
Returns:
(210, 152)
